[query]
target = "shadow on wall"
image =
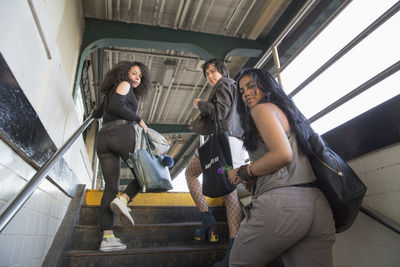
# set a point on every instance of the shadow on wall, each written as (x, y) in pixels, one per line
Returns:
(22, 130)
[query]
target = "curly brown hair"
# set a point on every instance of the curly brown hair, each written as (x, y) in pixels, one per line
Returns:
(119, 74)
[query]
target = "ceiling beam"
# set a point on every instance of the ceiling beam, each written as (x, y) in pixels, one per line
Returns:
(100, 33)
(104, 33)
(170, 128)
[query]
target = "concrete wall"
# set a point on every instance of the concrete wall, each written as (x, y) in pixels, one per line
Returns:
(368, 243)
(44, 67)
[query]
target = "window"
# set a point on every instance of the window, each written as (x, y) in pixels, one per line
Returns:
(378, 51)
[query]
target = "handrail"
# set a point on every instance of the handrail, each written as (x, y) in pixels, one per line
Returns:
(381, 219)
(285, 32)
(13, 206)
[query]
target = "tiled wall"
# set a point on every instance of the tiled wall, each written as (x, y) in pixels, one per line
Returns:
(26, 239)
(368, 243)
(47, 82)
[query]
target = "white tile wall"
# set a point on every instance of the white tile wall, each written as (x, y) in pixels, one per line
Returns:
(368, 243)
(27, 238)
(47, 84)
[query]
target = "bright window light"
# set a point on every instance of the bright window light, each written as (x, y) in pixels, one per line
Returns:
(79, 104)
(375, 53)
(372, 97)
(357, 16)
(179, 184)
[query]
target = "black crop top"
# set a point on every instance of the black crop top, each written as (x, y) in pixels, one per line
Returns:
(116, 107)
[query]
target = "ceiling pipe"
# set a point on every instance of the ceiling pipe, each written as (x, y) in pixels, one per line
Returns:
(285, 32)
(196, 13)
(233, 14)
(190, 98)
(160, 13)
(156, 12)
(165, 56)
(165, 99)
(150, 63)
(155, 102)
(267, 16)
(109, 9)
(198, 96)
(167, 94)
(244, 18)
(184, 13)
(129, 11)
(176, 90)
(178, 12)
(206, 16)
(140, 10)
(118, 10)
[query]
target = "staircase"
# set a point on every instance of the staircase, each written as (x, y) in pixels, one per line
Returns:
(162, 236)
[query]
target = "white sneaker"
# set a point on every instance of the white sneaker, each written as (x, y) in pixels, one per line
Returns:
(111, 244)
(119, 207)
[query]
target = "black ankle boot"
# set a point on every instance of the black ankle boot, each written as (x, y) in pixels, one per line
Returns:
(208, 230)
(225, 260)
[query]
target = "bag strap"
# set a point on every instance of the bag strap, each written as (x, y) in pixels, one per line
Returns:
(323, 147)
(146, 138)
(216, 124)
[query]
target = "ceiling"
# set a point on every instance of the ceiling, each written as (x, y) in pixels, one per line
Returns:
(174, 38)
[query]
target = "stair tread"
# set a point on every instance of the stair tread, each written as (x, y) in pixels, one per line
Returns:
(148, 250)
(148, 225)
(154, 207)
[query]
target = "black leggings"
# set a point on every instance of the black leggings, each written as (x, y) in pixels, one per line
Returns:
(114, 142)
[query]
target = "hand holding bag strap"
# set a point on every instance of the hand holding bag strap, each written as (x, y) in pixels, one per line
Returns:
(148, 146)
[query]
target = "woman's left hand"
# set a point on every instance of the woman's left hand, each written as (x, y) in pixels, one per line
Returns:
(233, 177)
(143, 125)
(196, 102)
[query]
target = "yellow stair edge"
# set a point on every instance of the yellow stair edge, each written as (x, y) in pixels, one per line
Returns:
(93, 197)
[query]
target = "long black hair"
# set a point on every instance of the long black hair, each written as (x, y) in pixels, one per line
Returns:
(120, 73)
(299, 125)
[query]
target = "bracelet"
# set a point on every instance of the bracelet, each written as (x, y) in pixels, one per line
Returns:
(250, 170)
(243, 174)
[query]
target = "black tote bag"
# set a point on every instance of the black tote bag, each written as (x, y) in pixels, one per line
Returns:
(216, 160)
(341, 186)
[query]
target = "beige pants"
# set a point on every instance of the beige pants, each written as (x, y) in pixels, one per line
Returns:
(295, 223)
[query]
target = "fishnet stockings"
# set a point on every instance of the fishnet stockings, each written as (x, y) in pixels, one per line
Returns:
(233, 211)
(193, 170)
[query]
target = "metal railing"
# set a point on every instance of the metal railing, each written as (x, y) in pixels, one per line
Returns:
(14, 205)
(381, 219)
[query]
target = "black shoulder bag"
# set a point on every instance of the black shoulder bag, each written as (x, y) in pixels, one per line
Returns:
(341, 186)
(216, 160)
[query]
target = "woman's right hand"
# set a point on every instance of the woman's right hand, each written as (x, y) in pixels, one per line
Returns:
(143, 125)
(248, 185)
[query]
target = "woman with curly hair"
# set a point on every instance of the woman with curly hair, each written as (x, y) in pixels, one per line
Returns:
(288, 215)
(123, 87)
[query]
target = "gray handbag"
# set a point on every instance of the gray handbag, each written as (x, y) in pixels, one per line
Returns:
(158, 144)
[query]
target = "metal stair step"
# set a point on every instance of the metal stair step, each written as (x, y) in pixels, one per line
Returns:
(144, 235)
(188, 255)
(153, 214)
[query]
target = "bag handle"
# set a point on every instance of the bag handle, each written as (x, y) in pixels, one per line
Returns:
(146, 138)
(216, 124)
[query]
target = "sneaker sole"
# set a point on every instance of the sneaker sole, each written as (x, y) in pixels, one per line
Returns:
(117, 210)
(109, 249)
